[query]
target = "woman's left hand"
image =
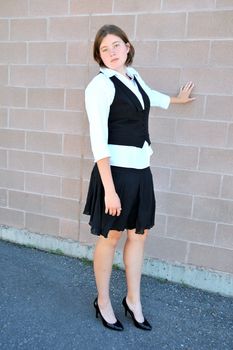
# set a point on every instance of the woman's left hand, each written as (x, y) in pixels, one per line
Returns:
(184, 94)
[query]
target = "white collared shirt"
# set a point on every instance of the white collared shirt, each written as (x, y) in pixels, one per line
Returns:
(99, 96)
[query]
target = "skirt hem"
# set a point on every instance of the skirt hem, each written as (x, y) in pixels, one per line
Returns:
(97, 232)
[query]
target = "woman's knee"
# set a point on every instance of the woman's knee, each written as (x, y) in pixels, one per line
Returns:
(133, 236)
(113, 238)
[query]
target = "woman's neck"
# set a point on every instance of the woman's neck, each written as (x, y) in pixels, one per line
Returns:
(124, 73)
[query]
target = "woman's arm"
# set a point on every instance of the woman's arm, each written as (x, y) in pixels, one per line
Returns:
(184, 94)
(98, 98)
(158, 99)
(112, 201)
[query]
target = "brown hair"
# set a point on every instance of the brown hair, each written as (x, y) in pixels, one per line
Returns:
(102, 33)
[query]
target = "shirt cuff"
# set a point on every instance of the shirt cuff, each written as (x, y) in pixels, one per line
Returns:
(100, 153)
(166, 102)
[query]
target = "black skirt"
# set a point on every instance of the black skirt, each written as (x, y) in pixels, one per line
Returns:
(136, 192)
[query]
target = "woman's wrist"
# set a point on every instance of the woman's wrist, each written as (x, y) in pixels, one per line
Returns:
(175, 99)
(109, 191)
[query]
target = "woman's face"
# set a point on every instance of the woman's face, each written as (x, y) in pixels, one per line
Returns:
(113, 52)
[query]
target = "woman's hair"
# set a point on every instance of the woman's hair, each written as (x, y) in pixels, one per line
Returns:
(102, 33)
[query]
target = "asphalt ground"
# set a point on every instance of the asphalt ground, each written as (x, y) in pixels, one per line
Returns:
(46, 302)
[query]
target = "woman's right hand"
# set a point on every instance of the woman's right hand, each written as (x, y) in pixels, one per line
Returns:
(111, 199)
(112, 204)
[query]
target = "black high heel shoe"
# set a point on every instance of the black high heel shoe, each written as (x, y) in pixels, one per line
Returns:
(143, 325)
(117, 326)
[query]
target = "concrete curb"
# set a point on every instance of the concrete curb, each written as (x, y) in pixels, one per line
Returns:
(212, 281)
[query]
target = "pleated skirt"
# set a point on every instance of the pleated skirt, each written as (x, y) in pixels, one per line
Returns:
(136, 192)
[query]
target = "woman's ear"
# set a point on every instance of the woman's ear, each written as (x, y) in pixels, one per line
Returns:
(128, 47)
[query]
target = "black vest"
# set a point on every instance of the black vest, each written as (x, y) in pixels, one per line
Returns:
(128, 121)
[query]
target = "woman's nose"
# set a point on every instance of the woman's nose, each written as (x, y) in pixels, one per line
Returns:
(112, 51)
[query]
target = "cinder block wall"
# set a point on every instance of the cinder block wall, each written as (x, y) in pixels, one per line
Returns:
(45, 156)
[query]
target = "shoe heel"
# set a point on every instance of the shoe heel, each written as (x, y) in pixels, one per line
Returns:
(96, 308)
(125, 306)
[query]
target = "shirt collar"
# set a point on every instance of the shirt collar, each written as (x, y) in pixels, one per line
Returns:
(110, 72)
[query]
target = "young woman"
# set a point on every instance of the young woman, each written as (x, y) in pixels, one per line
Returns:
(121, 194)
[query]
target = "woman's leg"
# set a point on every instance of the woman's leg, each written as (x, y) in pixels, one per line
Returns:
(103, 260)
(133, 260)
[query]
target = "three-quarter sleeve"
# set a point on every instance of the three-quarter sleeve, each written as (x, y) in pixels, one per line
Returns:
(97, 101)
(157, 99)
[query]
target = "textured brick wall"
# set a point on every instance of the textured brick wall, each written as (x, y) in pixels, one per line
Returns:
(45, 156)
